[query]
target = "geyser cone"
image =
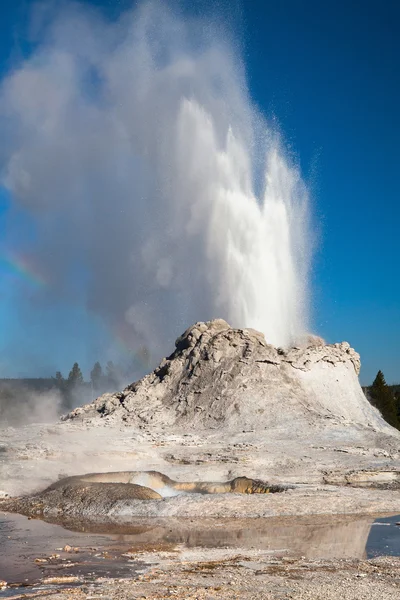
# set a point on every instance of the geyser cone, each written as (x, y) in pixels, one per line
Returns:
(231, 379)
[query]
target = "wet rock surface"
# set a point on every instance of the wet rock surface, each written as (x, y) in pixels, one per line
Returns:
(102, 496)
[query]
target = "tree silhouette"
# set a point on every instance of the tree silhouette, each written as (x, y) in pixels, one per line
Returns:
(74, 387)
(113, 375)
(75, 376)
(397, 398)
(62, 386)
(96, 377)
(60, 381)
(383, 398)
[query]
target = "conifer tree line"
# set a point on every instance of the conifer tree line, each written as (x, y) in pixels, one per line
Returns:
(74, 387)
(386, 399)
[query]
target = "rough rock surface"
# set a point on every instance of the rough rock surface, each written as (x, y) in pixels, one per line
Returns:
(225, 378)
(225, 404)
(113, 504)
(260, 577)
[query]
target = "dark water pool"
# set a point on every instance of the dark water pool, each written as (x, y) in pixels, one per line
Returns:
(32, 550)
(384, 537)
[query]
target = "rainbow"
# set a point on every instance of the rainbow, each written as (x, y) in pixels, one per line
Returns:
(22, 267)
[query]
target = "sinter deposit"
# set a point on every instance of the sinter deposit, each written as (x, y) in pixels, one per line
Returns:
(225, 404)
(225, 378)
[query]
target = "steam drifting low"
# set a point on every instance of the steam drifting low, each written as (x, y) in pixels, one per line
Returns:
(155, 187)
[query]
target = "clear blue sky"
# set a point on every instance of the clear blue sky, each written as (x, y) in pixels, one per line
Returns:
(329, 73)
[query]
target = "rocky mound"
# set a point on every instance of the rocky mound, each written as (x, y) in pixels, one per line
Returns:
(219, 377)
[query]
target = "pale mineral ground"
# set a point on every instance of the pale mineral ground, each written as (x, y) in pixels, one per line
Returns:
(224, 404)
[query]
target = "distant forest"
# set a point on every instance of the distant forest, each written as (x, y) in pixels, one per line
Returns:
(31, 399)
(24, 401)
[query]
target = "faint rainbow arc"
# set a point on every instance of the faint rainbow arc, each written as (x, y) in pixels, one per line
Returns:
(21, 267)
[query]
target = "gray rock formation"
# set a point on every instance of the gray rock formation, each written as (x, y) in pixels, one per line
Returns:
(225, 378)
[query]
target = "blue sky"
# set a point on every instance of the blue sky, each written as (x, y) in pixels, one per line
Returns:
(328, 73)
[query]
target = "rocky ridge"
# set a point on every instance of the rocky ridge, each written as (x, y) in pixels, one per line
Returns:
(220, 377)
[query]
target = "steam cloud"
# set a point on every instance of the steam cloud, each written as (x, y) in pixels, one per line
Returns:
(153, 183)
(20, 405)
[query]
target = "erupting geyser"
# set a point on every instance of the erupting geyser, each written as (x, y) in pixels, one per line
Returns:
(138, 140)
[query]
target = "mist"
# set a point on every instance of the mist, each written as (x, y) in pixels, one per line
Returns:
(157, 195)
(20, 405)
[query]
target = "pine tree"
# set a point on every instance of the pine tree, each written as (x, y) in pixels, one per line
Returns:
(75, 376)
(383, 398)
(112, 375)
(74, 387)
(397, 398)
(96, 376)
(62, 386)
(60, 381)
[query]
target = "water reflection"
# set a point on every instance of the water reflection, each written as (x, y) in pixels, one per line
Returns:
(23, 540)
(313, 536)
(384, 537)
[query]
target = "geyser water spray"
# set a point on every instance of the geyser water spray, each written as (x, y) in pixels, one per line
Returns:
(158, 194)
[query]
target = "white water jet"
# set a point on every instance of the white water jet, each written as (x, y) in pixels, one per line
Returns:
(256, 247)
(136, 150)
